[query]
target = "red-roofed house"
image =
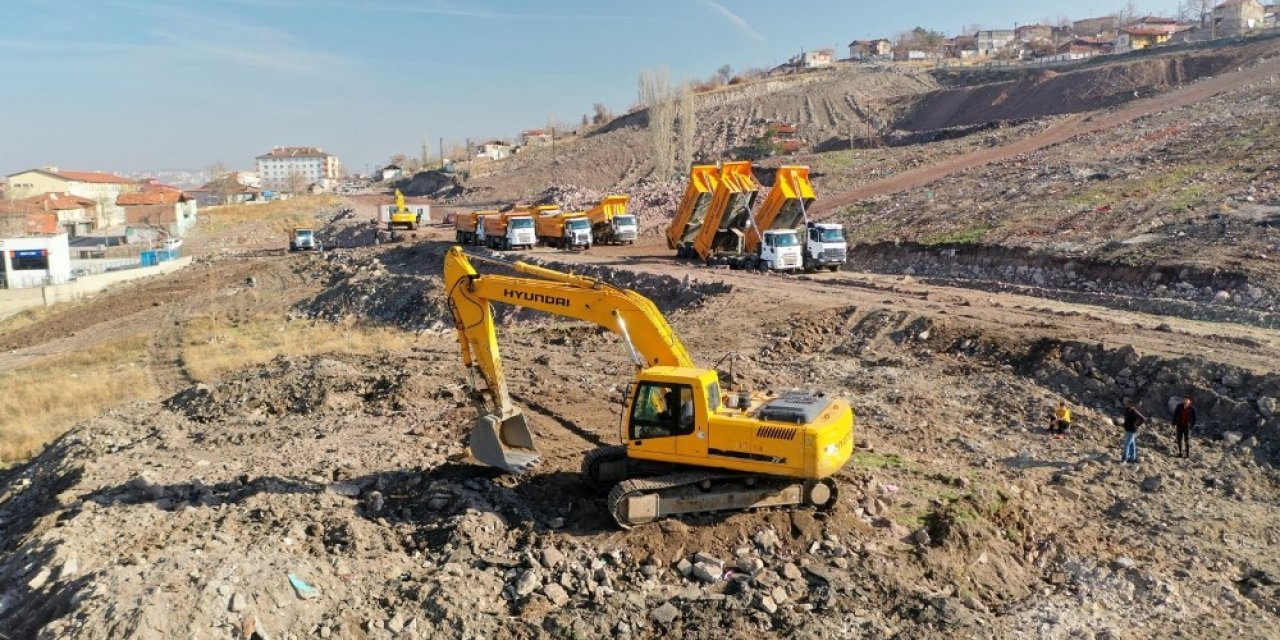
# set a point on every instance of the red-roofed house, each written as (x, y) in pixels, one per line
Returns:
(161, 207)
(1135, 38)
(879, 49)
(101, 188)
(535, 137)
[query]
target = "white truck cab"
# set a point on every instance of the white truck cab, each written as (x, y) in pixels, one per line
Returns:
(577, 232)
(825, 246)
(780, 250)
(625, 229)
(520, 232)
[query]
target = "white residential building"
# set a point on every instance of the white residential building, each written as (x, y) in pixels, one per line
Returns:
(297, 168)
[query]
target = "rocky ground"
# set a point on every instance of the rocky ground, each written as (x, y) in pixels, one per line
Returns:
(330, 495)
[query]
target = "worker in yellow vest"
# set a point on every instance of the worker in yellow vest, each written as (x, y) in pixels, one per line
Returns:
(1061, 420)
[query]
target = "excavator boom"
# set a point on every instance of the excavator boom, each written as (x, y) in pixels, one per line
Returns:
(501, 438)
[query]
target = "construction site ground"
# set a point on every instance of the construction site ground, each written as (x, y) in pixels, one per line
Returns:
(315, 483)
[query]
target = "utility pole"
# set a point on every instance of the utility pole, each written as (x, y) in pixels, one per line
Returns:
(442, 153)
(424, 153)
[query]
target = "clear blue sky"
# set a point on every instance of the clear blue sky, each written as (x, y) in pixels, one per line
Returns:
(129, 85)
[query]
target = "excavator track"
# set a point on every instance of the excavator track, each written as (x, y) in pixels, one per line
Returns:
(596, 459)
(642, 500)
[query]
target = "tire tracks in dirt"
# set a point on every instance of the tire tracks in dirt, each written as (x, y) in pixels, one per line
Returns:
(1056, 133)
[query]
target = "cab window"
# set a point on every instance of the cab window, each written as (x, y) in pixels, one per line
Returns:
(662, 410)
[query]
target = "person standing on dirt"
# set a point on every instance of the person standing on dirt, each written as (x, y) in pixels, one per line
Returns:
(1184, 420)
(1132, 420)
(1061, 420)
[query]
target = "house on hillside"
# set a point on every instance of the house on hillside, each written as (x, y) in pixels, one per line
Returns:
(535, 138)
(160, 207)
(1237, 17)
(1078, 48)
(864, 50)
(60, 212)
(1102, 26)
(1137, 38)
(963, 48)
(101, 188)
(814, 59)
(495, 150)
(389, 173)
(1032, 32)
(1156, 23)
(223, 190)
(992, 41)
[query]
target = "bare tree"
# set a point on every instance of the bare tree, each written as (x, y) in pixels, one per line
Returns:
(222, 183)
(295, 182)
(1195, 10)
(723, 74)
(601, 114)
(688, 109)
(970, 29)
(1127, 15)
(657, 98)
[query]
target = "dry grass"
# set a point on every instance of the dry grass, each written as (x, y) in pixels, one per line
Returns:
(213, 346)
(280, 216)
(28, 317)
(40, 402)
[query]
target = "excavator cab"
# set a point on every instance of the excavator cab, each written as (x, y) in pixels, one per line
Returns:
(505, 443)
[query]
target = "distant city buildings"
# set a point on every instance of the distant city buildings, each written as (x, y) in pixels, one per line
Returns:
(298, 169)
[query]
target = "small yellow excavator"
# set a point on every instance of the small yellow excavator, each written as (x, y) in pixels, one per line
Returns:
(689, 446)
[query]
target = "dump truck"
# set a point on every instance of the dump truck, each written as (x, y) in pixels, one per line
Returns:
(786, 207)
(729, 225)
(610, 222)
(703, 180)
(563, 230)
(509, 230)
(304, 239)
(469, 226)
(688, 445)
(825, 246)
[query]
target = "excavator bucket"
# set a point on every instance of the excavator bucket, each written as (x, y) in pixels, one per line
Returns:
(505, 444)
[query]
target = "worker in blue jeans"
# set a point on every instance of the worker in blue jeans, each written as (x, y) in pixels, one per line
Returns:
(1132, 420)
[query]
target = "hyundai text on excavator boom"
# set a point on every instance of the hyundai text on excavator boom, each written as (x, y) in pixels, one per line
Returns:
(689, 446)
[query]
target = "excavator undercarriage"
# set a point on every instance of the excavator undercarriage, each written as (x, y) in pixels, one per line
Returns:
(640, 492)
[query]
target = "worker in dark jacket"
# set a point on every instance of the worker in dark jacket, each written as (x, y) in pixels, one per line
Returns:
(1184, 420)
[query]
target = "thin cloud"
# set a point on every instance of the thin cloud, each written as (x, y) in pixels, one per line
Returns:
(440, 9)
(733, 18)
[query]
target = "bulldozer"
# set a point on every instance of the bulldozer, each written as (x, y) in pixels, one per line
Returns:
(688, 446)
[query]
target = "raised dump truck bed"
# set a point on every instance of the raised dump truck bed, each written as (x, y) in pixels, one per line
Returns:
(703, 180)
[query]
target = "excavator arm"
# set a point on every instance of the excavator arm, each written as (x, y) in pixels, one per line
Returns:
(501, 437)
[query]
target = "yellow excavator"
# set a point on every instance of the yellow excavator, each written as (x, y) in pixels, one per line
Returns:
(689, 446)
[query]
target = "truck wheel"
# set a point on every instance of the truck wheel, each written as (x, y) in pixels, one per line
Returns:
(833, 268)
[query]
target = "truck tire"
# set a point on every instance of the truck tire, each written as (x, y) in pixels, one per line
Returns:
(833, 268)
